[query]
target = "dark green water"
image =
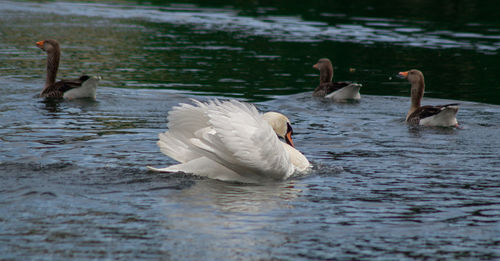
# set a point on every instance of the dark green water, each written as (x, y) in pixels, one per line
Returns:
(261, 49)
(74, 183)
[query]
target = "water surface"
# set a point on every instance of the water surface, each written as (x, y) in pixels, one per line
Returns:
(74, 183)
(255, 52)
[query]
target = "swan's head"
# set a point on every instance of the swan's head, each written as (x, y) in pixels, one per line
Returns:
(281, 125)
(48, 45)
(413, 75)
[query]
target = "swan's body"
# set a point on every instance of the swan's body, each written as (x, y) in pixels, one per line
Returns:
(439, 115)
(83, 87)
(338, 91)
(230, 141)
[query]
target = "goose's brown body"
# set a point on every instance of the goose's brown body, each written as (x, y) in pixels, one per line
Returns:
(333, 90)
(437, 115)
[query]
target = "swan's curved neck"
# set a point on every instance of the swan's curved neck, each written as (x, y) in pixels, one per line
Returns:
(52, 66)
(326, 74)
(417, 92)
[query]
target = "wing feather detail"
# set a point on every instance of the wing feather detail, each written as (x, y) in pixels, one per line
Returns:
(230, 138)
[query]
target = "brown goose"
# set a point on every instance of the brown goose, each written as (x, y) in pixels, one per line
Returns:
(83, 87)
(334, 90)
(440, 115)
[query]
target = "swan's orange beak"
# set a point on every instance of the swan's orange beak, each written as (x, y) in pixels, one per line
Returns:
(288, 135)
(403, 74)
(288, 139)
(39, 44)
(316, 66)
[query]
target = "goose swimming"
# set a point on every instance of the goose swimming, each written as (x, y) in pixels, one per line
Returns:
(83, 87)
(339, 91)
(437, 115)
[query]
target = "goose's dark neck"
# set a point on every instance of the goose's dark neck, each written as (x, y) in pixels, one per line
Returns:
(52, 66)
(417, 92)
(326, 74)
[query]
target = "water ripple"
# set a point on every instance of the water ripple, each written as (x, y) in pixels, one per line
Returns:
(364, 30)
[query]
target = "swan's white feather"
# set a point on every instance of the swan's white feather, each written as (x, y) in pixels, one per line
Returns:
(227, 140)
(205, 167)
(298, 160)
(184, 122)
(246, 143)
(175, 147)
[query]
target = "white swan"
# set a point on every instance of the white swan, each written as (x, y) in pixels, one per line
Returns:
(231, 141)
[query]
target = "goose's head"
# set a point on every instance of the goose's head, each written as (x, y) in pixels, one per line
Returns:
(281, 125)
(413, 75)
(48, 46)
(324, 65)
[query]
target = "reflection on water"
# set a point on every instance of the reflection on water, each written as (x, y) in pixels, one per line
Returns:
(278, 28)
(239, 198)
(74, 182)
(198, 49)
(228, 217)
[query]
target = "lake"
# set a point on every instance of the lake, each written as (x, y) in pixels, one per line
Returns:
(74, 178)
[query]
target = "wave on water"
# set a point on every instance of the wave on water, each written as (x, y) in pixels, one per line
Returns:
(363, 30)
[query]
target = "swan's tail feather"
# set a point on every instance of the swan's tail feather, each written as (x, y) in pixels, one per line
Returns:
(172, 145)
(168, 145)
(205, 167)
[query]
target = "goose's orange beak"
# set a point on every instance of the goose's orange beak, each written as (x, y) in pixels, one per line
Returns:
(39, 44)
(316, 66)
(403, 74)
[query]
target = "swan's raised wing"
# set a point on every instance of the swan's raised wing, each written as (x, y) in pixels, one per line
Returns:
(243, 142)
(188, 118)
(183, 122)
